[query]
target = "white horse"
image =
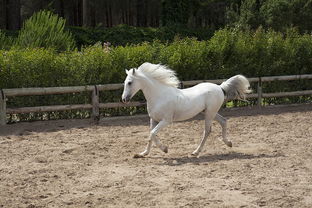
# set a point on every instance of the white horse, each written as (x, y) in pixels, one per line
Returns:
(166, 103)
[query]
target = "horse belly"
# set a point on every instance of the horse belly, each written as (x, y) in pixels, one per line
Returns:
(188, 109)
(198, 98)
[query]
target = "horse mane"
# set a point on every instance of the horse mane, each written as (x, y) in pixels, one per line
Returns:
(160, 73)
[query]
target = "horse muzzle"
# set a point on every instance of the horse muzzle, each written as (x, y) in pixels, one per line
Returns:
(126, 99)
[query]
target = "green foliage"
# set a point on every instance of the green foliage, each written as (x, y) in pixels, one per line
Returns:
(5, 41)
(123, 35)
(229, 52)
(187, 57)
(45, 29)
(302, 15)
(274, 13)
(278, 15)
(175, 12)
(249, 13)
(261, 53)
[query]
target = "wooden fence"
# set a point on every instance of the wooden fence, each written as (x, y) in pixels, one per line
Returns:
(95, 90)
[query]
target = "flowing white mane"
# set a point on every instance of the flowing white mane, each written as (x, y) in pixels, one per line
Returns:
(160, 73)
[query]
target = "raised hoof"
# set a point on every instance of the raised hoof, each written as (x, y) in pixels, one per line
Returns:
(138, 156)
(165, 149)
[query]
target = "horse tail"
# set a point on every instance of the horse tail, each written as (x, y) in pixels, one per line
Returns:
(236, 88)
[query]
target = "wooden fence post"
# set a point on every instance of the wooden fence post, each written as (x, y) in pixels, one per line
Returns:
(95, 104)
(259, 91)
(2, 108)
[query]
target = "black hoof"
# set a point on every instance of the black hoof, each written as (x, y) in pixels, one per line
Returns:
(229, 144)
(138, 156)
(166, 150)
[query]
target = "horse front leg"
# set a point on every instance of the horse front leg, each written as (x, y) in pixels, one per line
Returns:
(203, 140)
(155, 128)
(208, 122)
(222, 121)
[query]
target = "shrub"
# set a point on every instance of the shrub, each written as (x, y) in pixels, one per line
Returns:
(123, 35)
(45, 29)
(5, 41)
(229, 52)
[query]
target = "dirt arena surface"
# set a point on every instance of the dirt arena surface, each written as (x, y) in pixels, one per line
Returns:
(74, 163)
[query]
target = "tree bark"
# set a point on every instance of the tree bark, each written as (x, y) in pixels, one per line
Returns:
(85, 13)
(141, 13)
(59, 5)
(14, 15)
(3, 19)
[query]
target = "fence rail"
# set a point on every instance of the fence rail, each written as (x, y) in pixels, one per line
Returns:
(95, 90)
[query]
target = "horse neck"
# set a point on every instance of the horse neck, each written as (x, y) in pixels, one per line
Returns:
(153, 90)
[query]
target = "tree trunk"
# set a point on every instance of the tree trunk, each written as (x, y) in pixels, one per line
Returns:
(141, 13)
(14, 14)
(85, 13)
(3, 13)
(79, 14)
(59, 5)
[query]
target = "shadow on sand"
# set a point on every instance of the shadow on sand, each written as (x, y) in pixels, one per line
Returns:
(215, 158)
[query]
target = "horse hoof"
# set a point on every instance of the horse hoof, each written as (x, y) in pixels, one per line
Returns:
(229, 144)
(165, 149)
(195, 154)
(138, 156)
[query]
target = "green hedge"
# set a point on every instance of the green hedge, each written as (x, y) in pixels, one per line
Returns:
(6, 42)
(127, 35)
(120, 35)
(228, 52)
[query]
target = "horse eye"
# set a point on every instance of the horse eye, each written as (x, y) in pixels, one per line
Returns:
(129, 83)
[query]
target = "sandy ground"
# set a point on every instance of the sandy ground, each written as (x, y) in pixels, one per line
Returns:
(75, 163)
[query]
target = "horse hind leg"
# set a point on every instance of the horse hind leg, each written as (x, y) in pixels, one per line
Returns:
(222, 121)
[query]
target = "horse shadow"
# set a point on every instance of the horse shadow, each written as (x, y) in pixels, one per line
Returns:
(178, 161)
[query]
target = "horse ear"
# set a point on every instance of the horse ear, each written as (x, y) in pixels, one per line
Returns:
(133, 71)
(127, 72)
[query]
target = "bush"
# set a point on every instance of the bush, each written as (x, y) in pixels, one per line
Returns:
(5, 41)
(123, 35)
(262, 53)
(278, 15)
(45, 29)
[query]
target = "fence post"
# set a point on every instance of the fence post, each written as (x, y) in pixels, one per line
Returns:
(259, 91)
(95, 104)
(2, 108)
